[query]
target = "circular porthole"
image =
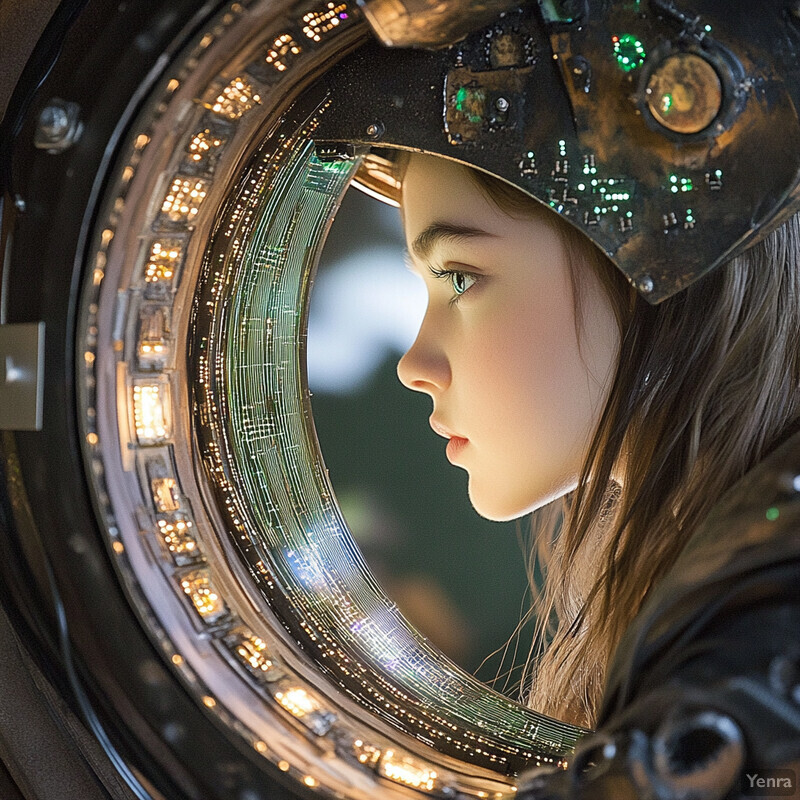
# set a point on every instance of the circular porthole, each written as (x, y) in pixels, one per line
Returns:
(198, 442)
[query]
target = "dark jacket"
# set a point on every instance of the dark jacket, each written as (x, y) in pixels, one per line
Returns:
(702, 698)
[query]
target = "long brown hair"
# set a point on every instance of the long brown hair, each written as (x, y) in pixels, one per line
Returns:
(706, 384)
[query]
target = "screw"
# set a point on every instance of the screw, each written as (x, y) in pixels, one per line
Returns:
(645, 284)
(375, 130)
(501, 104)
(58, 126)
(20, 205)
(53, 122)
(796, 483)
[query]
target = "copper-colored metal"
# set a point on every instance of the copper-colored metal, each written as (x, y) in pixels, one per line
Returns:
(380, 176)
(429, 23)
(684, 93)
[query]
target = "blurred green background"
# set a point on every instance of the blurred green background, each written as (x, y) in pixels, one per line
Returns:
(457, 577)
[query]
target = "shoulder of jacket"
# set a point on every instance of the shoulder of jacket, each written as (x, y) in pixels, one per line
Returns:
(703, 693)
(748, 547)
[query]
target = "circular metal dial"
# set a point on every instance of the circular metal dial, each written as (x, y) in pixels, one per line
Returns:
(684, 93)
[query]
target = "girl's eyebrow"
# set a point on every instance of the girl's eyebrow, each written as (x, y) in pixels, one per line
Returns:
(438, 232)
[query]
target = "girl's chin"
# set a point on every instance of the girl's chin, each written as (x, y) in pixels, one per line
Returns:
(494, 503)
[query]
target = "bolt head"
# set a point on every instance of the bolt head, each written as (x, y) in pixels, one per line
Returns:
(375, 130)
(645, 284)
(58, 126)
(53, 121)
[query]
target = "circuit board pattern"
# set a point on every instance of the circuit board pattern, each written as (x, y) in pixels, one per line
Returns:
(280, 504)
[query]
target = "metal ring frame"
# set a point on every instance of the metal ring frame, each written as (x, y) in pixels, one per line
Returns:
(200, 447)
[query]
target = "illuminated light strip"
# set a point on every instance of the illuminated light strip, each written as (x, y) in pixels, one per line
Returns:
(404, 769)
(163, 261)
(318, 23)
(204, 146)
(305, 707)
(252, 651)
(282, 52)
(197, 586)
(366, 753)
(176, 534)
(151, 415)
(160, 277)
(184, 198)
(235, 99)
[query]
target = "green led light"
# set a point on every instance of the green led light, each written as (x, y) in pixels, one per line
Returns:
(678, 184)
(666, 103)
(629, 51)
(335, 166)
(773, 513)
(471, 102)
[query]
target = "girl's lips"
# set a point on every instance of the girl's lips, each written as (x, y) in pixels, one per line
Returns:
(442, 430)
(456, 443)
(454, 447)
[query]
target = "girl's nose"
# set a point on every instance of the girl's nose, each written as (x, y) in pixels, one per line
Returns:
(424, 368)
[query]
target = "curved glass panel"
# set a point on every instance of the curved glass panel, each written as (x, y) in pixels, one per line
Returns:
(260, 451)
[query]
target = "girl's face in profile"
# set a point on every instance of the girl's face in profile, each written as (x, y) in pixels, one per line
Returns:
(518, 383)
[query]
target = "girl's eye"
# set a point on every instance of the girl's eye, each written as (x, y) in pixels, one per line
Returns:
(461, 281)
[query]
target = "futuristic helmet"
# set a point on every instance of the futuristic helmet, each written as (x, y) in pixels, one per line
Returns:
(173, 548)
(666, 132)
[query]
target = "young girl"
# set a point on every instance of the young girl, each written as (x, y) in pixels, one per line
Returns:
(553, 380)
